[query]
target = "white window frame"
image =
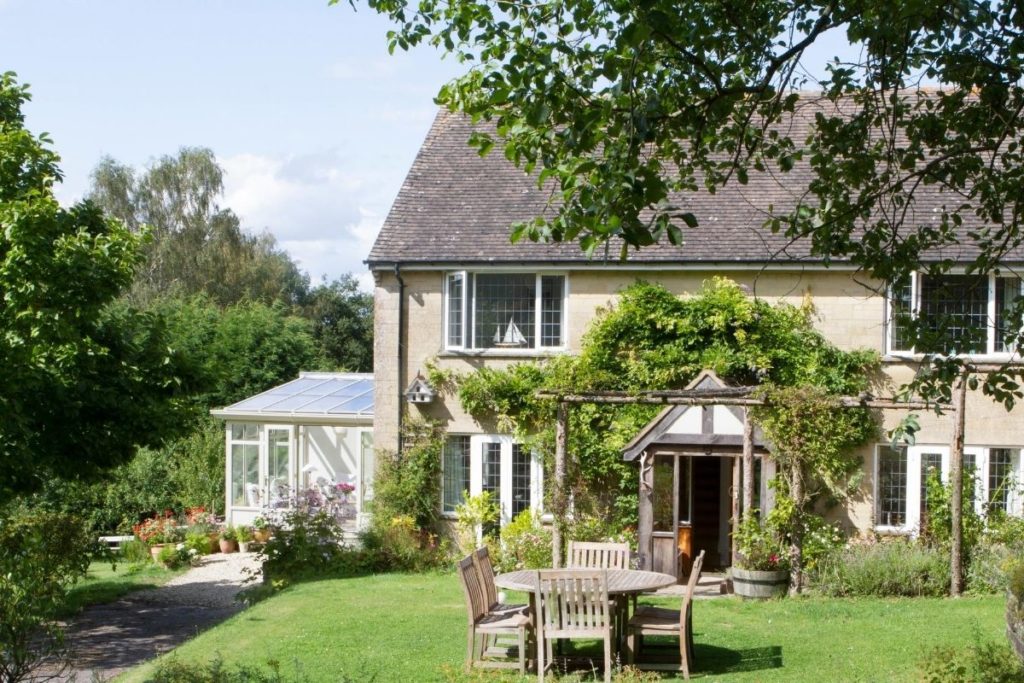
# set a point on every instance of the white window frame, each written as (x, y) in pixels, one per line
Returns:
(913, 493)
(468, 297)
(915, 307)
(476, 450)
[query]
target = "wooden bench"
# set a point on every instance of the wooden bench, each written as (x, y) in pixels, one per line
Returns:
(114, 542)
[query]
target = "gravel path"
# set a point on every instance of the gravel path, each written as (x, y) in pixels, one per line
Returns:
(106, 640)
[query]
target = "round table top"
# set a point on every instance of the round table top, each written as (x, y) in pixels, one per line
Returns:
(619, 581)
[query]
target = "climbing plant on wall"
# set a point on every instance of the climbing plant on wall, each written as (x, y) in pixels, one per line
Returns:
(651, 339)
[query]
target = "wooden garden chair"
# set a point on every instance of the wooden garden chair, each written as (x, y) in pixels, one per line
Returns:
(658, 621)
(482, 562)
(598, 555)
(484, 623)
(590, 555)
(573, 603)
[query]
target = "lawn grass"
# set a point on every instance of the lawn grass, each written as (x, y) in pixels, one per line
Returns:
(106, 583)
(412, 628)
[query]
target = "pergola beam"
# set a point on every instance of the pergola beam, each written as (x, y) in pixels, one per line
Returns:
(706, 398)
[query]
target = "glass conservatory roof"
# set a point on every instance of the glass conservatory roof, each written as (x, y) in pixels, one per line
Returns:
(312, 394)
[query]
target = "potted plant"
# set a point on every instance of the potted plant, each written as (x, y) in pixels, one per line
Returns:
(228, 538)
(260, 530)
(156, 532)
(244, 534)
(763, 567)
(201, 522)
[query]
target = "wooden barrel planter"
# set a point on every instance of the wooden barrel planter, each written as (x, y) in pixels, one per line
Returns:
(760, 585)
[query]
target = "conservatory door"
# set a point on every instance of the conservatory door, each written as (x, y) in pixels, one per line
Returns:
(279, 465)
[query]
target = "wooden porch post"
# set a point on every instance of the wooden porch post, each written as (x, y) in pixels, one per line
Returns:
(558, 498)
(956, 477)
(748, 464)
(735, 491)
(645, 513)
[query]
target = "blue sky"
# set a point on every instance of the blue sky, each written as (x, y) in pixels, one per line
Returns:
(314, 122)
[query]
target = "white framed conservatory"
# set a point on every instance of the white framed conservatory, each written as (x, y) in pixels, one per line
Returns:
(313, 432)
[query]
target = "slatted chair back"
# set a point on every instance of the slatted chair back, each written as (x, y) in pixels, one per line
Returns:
(598, 555)
(472, 589)
(573, 603)
(691, 584)
(482, 560)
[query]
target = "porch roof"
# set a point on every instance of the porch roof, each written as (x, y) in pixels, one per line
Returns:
(313, 396)
(705, 428)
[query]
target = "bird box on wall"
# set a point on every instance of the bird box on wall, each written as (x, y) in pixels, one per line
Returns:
(420, 391)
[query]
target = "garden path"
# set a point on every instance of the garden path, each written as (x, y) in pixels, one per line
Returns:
(106, 640)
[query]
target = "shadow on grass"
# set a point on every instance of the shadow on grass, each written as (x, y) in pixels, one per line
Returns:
(711, 659)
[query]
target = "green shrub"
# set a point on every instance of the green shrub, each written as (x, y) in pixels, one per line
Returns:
(199, 542)
(175, 556)
(409, 483)
(894, 567)
(473, 514)
(525, 544)
(1001, 543)
(976, 663)
(174, 671)
(397, 544)
(307, 540)
(41, 555)
(135, 552)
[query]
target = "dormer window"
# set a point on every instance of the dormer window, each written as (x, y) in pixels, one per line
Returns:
(963, 314)
(506, 311)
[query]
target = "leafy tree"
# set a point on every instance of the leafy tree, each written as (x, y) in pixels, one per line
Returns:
(342, 319)
(83, 382)
(197, 246)
(624, 106)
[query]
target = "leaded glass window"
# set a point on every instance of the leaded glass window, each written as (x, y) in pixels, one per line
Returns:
(1008, 291)
(999, 480)
(931, 465)
(521, 480)
(510, 311)
(455, 472)
(892, 486)
(456, 309)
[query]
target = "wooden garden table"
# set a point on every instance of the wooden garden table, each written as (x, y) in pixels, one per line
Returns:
(621, 582)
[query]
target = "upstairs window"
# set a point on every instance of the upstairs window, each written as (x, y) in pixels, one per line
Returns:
(508, 311)
(960, 314)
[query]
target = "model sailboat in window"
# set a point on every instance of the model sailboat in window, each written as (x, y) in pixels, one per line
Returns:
(511, 337)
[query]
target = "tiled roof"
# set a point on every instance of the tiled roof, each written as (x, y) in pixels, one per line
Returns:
(457, 207)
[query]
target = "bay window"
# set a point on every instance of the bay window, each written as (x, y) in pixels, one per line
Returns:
(507, 311)
(956, 313)
(473, 464)
(901, 476)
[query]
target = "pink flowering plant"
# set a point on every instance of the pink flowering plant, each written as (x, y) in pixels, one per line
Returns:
(762, 546)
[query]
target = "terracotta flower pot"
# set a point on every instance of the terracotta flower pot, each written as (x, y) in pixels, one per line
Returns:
(261, 535)
(154, 550)
(227, 546)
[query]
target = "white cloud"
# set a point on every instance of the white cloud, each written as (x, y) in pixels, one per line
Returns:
(322, 212)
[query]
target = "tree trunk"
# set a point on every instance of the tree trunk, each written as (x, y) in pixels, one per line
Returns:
(956, 477)
(558, 498)
(796, 560)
